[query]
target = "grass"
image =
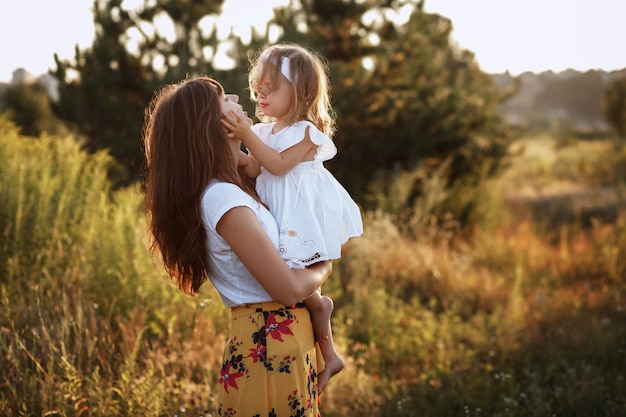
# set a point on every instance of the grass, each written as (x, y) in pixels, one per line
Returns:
(514, 319)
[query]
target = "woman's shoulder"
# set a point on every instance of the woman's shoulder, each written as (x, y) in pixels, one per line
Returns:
(218, 187)
(219, 197)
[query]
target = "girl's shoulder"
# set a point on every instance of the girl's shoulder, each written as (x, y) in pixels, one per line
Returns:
(263, 129)
(326, 148)
(301, 126)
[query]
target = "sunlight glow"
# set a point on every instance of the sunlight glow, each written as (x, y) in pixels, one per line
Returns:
(222, 59)
(274, 32)
(401, 16)
(240, 20)
(158, 63)
(207, 25)
(165, 27)
(373, 39)
(368, 63)
(533, 35)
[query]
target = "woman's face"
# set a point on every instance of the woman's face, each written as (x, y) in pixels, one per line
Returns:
(231, 102)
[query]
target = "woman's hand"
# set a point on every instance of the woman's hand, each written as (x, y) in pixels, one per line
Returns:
(324, 268)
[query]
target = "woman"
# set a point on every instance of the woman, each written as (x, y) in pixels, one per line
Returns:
(207, 221)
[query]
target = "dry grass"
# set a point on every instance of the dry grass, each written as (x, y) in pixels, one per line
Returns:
(512, 319)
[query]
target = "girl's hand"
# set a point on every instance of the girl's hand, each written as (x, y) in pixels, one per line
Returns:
(237, 124)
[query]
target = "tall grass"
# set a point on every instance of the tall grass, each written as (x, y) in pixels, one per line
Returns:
(510, 320)
(89, 324)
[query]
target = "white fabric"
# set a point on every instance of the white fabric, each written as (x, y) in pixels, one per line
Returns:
(231, 278)
(314, 213)
(285, 68)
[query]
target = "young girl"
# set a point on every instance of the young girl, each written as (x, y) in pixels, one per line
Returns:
(207, 222)
(315, 214)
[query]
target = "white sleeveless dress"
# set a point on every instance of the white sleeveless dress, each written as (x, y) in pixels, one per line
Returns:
(314, 213)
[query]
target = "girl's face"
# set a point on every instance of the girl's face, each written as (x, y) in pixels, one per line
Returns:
(274, 98)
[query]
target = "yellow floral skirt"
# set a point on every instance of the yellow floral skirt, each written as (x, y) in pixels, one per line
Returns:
(270, 363)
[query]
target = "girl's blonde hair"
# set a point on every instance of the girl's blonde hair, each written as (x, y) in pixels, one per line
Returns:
(308, 78)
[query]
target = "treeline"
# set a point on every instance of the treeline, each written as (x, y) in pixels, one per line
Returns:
(405, 98)
(571, 100)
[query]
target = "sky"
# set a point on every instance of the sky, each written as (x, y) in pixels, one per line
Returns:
(505, 35)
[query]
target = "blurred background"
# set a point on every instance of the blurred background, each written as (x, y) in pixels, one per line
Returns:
(484, 142)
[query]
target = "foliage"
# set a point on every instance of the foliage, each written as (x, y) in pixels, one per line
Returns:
(404, 95)
(420, 100)
(87, 325)
(28, 105)
(106, 88)
(615, 106)
(507, 322)
(579, 95)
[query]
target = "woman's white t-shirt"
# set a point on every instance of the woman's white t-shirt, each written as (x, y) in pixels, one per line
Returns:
(231, 278)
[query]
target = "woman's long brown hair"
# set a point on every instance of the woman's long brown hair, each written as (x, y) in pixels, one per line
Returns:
(186, 147)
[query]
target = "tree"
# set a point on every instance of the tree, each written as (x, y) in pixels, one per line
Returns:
(106, 88)
(404, 95)
(614, 106)
(580, 96)
(28, 106)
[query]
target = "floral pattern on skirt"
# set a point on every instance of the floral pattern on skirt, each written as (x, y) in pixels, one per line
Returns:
(270, 364)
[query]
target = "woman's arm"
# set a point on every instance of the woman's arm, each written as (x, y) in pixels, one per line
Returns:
(242, 230)
(278, 163)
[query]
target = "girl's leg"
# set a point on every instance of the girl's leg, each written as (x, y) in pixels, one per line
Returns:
(321, 308)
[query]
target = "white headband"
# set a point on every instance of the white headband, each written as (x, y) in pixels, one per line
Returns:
(285, 69)
(284, 66)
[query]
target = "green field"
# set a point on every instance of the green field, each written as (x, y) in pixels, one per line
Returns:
(521, 314)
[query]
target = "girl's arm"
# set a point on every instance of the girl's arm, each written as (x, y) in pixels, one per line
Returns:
(278, 163)
(248, 165)
(242, 230)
